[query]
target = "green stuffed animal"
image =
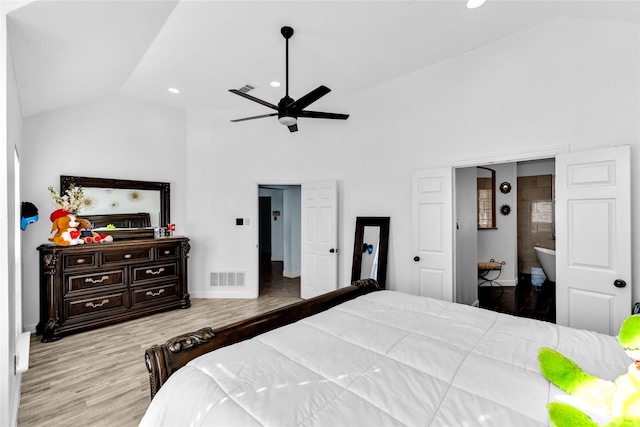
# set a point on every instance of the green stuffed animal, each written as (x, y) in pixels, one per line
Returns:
(619, 400)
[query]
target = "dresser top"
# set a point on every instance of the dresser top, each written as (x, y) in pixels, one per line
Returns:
(115, 244)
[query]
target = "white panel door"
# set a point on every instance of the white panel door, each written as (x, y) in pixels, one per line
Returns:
(593, 239)
(319, 261)
(433, 232)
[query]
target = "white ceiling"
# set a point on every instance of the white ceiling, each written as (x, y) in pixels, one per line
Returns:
(65, 52)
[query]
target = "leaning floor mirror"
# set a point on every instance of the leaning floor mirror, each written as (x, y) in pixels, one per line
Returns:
(371, 245)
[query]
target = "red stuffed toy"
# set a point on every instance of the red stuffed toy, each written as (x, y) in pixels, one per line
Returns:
(65, 225)
(90, 236)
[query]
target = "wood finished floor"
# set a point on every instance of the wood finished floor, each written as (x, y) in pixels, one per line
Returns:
(525, 300)
(98, 378)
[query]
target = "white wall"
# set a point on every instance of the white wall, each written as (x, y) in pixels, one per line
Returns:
(10, 144)
(236, 156)
(466, 211)
(501, 244)
(292, 229)
(568, 82)
(118, 136)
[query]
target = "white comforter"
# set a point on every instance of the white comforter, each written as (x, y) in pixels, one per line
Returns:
(386, 358)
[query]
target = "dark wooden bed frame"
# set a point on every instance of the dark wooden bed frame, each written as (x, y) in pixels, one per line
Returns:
(163, 360)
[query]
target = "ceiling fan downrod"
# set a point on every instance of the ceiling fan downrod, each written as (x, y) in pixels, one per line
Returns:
(286, 32)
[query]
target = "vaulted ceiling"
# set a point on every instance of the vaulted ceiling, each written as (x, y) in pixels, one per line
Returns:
(65, 52)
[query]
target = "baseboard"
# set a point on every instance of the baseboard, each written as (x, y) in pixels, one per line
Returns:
(277, 258)
(291, 274)
(224, 293)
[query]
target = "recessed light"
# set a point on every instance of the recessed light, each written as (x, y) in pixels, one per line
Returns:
(174, 90)
(472, 4)
(275, 84)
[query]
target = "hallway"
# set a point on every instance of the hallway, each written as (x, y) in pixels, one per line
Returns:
(274, 285)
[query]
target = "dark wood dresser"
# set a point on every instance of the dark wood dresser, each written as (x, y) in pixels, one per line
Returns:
(93, 285)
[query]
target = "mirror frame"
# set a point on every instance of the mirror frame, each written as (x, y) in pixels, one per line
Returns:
(494, 224)
(376, 221)
(164, 187)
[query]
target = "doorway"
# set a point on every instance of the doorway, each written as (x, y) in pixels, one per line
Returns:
(523, 203)
(593, 219)
(279, 235)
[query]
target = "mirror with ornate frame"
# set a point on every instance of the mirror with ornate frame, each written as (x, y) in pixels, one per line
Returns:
(126, 203)
(370, 249)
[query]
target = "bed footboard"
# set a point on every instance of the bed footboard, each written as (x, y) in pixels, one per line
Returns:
(163, 360)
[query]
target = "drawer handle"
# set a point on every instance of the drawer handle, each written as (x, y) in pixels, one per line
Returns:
(167, 252)
(94, 305)
(160, 270)
(81, 261)
(90, 280)
(127, 256)
(152, 294)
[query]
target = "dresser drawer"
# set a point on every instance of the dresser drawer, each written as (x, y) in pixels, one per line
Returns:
(93, 285)
(167, 252)
(153, 272)
(81, 260)
(131, 254)
(95, 304)
(89, 281)
(153, 293)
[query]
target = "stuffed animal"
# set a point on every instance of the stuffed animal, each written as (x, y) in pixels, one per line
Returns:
(90, 236)
(618, 400)
(65, 226)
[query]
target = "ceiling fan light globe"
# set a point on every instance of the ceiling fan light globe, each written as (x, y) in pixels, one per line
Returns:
(287, 120)
(473, 4)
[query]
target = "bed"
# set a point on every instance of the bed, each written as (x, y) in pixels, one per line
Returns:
(369, 357)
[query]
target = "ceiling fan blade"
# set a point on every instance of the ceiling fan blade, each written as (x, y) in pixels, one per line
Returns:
(254, 99)
(321, 115)
(309, 98)
(255, 117)
(287, 109)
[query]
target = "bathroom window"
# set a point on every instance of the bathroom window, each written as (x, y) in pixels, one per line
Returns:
(486, 191)
(541, 211)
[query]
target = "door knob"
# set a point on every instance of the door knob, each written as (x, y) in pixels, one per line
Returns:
(332, 250)
(416, 258)
(619, 283)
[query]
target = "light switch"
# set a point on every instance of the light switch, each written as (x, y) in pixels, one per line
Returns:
(239, 221)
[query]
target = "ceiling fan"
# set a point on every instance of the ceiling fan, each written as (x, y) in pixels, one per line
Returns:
(288, 109)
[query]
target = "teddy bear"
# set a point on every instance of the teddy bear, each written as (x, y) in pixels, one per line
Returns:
(90, 236)
(618, 400)
(65, 225)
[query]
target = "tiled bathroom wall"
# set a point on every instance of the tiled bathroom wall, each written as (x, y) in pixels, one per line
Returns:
(536, 226)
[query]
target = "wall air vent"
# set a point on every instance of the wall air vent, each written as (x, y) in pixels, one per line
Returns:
(246, 88)
(227, 279)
